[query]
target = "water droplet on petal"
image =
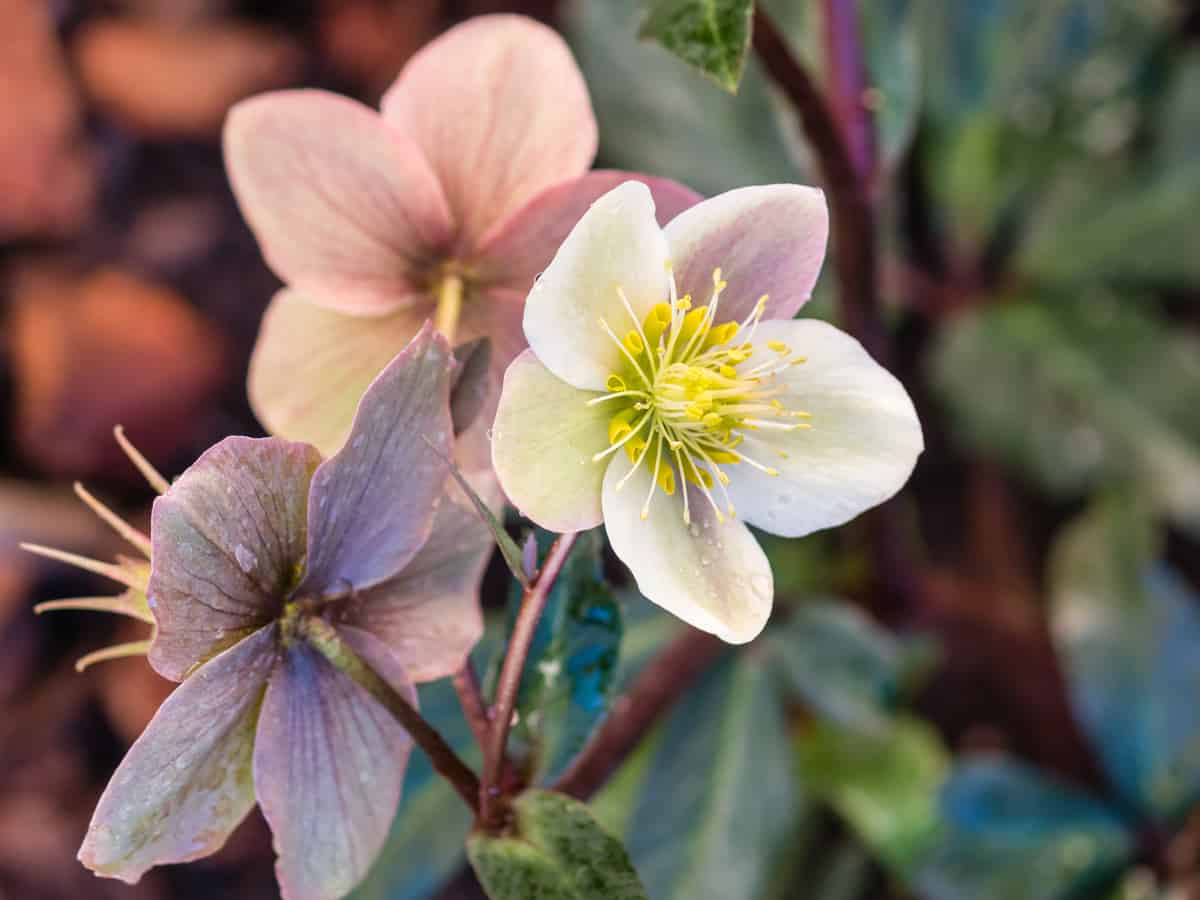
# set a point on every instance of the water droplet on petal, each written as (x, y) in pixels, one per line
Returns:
(245, 558)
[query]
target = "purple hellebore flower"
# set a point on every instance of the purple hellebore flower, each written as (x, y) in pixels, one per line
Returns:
(259, 549)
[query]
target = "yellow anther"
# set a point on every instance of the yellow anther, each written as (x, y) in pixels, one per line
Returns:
(657, 321)
(615, 383)
(721, 334)
(633, 343)
(775, 404)
(711, 420)
(684, 303)
(798, 360)
(691, 323)
(724, 457)
(634, 448)
(728, 371)
(716, 275)
(778, 346)
(666, 480)
(621, 424)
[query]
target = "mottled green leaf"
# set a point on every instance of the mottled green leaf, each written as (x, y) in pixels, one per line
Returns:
(711, 35)
(885, 786)
(1010, 833)
(845, 667)
(657, 116)
(1078, 392)
(556, 851)
(710, 804)
(1127, 629)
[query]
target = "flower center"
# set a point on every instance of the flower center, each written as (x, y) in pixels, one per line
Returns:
(688, 390)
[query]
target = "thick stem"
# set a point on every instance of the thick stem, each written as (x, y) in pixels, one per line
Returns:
(509, 683)
(654, 691)
(470, 698)
(449, 306)
(325, 639)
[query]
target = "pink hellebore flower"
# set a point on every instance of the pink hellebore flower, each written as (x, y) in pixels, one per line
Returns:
(668, 394)
(447, 204)
(260, 552)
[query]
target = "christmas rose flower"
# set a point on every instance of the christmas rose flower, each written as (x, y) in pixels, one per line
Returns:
(447, 204)
(668, 393)
(293, 598)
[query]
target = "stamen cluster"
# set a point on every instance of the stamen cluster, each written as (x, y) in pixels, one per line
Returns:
(686, 393)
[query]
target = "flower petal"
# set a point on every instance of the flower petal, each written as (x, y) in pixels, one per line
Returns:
(371, 506)
(863, 444)
(185, 784)
(329, 763)
(767, 239)
(311, 366)
(501, 111)
(227, 538)
(517, 252)
(429, 615)
(617, 244)
(713, 575)
(542, 447)
(496, 315)
(343, 207)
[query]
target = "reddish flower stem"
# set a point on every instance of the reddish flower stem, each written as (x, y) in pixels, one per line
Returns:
(532, 604)
(655, 690)
(466, 684)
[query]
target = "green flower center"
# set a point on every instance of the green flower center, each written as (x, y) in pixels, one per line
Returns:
(686, 393)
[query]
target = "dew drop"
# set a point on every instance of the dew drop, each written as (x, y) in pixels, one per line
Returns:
(245, 558)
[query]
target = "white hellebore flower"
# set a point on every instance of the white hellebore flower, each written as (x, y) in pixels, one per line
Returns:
(668, 393)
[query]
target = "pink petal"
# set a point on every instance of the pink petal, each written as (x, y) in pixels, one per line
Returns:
(311, 366)
(185, 784)
(517, 252)
(494, 314)
(329, 763)
(371, 505)
(501, 111)
(227, 538)
(768, 239)
(429, 615)
(344, 208)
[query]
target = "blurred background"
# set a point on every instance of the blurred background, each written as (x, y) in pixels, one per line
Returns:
(1003, 705)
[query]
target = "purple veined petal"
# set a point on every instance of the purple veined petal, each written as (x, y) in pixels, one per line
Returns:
(186, 783)
(429, 615)
(228, 543)
(516, 252)
(767, 239)
(371, 505)
(501, 111)
(329, 763)
(344, 208)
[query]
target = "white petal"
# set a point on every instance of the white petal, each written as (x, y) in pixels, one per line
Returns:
(543, 441)
(617, 243)
(766, 239)
(713, 575)
(863, 444)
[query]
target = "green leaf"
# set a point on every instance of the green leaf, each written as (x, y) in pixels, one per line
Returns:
(886, 786)
(1077, 393)
(845, 667)
(570, 671)
(709, 804)
(711, 35)
(1127, 628)
(1011, 833)
(557, 851)
(656, 116)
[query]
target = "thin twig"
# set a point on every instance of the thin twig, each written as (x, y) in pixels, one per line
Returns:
(852, 217)
(664, 680)
(846, 84)
(470, 697)
(532, 604)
